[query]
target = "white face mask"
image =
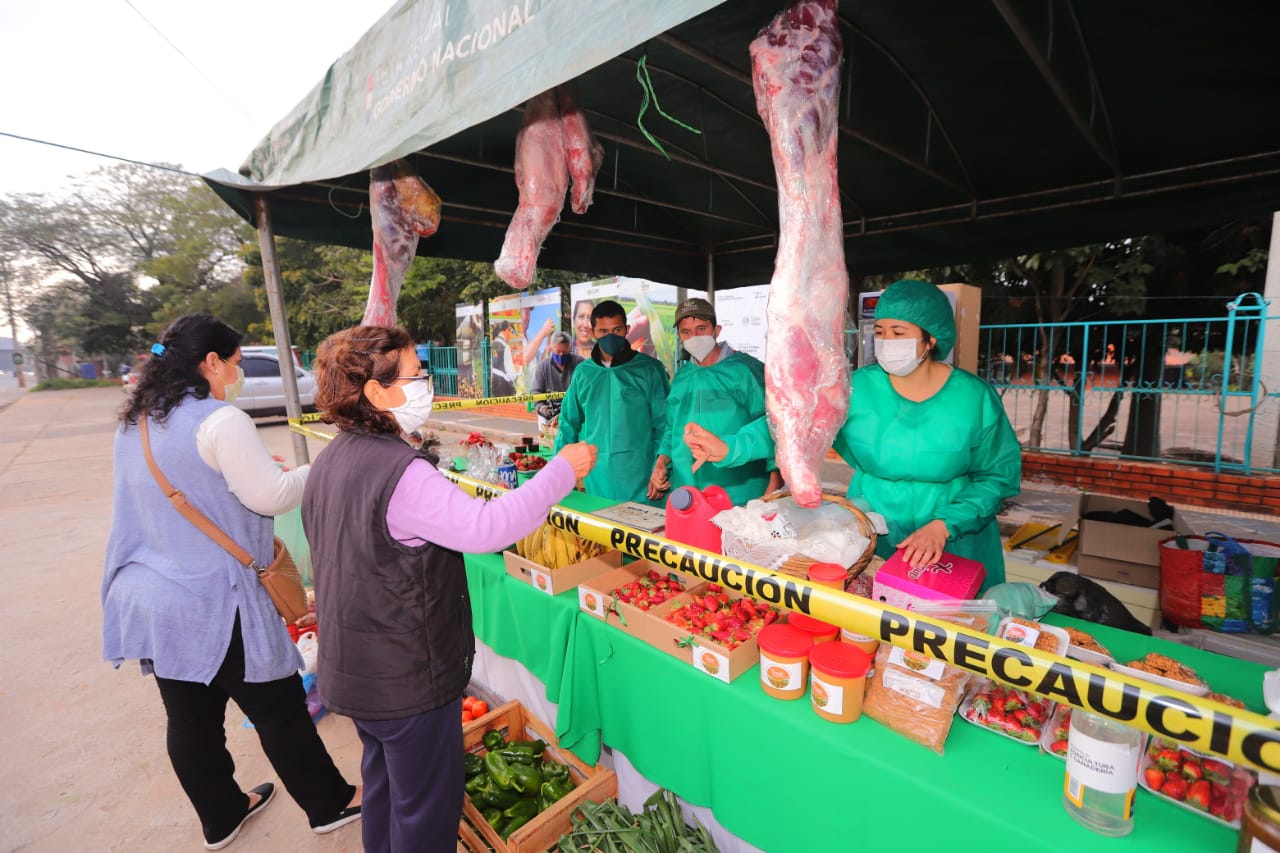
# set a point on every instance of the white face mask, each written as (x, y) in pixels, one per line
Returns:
(898, 355)
(699, 346)
(412, 414)
(230, 392)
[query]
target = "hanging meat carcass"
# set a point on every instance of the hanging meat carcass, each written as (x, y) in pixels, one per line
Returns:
(795, 65)
(403, 208)
(553, 145)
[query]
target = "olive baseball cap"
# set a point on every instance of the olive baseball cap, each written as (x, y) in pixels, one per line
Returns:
(695, 307)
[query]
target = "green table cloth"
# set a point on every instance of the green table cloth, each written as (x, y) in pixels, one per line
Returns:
(783, 779)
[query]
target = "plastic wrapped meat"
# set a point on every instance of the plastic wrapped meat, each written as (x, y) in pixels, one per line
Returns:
(403, 208)
(554, 145)
(583, 154)
(795, 68)
(542, 175)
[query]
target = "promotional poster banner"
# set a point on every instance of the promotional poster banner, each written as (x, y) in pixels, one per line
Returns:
(740, 313)
(520, 327)
(650, 309)
(467, 339)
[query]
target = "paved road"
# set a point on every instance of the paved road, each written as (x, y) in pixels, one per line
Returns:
(83, 763)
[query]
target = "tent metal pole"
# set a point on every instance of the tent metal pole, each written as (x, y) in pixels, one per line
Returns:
(280, 323)
(711, 273)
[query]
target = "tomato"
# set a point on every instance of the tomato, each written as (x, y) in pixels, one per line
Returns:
(467, 716)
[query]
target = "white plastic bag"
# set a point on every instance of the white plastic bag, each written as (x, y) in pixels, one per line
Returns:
(309, 647)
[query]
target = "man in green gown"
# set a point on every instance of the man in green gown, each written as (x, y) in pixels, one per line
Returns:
(930, 445)
(720, 389)
(617, 400)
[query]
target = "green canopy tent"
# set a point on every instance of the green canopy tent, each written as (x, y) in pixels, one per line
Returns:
(969, 130)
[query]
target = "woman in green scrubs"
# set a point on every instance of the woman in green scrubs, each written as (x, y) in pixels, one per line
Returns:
(930, 444)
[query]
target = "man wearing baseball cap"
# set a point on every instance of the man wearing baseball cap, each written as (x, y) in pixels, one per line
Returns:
(717, 385)
(553, 374)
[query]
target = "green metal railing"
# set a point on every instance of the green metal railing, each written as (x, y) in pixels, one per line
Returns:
(1186, 390)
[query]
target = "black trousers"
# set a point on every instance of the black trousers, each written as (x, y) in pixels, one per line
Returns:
(197, 743)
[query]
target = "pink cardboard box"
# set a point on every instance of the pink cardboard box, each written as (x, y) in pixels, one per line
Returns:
(952, 577)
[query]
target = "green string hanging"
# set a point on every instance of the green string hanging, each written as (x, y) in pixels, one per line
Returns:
(646, 86)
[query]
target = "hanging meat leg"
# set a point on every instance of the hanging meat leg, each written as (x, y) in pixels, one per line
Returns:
(583, 153)
(403, 208)
(542, 177)
(795, 64)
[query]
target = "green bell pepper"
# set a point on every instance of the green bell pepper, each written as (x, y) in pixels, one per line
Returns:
(555, 770)
(518, 756)
(472, 765)
(524, 778)
(499, 770)
(475, 784)
(524, 808)
(512, 825)
(534, 747)
(494, 817)
(495, 798)
(493, 739)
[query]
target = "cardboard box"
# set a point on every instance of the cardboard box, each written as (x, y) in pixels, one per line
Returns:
(595, 596)
(951, 577)
(556, 581)
(543, 833)
(650, 626)
(968, 305)
(1118, 552)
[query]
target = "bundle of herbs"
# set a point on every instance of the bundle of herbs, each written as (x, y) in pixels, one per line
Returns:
(610, 827)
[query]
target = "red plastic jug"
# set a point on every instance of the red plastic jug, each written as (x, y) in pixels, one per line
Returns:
(689, 513)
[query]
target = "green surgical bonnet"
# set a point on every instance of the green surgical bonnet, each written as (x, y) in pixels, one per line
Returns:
(923, 304)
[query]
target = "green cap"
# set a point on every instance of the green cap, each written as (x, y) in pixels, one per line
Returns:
(924, 305)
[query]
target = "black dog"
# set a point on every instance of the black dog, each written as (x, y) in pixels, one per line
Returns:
(1088, 600)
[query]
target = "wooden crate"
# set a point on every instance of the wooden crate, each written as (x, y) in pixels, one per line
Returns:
(544, 831)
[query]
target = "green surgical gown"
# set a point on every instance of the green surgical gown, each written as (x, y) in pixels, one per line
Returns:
(622, 411)
(721, 397)
(952, 457)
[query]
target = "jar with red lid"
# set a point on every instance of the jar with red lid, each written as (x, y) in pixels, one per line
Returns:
(827, 574)
(784, 660)
(821, 632)
(838, 681)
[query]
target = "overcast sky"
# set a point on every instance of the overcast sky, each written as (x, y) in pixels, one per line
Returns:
(94, 74)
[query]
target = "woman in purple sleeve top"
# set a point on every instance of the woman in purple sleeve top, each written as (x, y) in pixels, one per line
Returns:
(387, 532)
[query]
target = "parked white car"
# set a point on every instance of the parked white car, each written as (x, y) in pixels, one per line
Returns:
(263, 392)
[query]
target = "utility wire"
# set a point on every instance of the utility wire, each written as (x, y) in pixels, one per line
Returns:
(160, 166)
(197, 68)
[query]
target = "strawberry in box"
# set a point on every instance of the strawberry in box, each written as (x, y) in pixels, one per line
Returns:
(1009, 711)
(728, 621)
(1202, 783)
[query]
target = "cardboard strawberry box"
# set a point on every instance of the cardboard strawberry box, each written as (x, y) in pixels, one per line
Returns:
(556, 581)
(725, 656)
(544, 831)
(596, 596)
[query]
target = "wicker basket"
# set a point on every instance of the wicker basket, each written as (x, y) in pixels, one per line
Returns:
(772, 555)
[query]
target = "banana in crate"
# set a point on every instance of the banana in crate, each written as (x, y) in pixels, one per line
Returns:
(555, 548)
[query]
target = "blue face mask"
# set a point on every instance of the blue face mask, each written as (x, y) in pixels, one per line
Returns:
(611, 345)
(558, 359)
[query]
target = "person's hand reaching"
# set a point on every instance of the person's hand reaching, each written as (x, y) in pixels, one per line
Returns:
(704, 446)
(581, 456)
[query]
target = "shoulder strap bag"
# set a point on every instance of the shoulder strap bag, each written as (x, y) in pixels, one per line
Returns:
(281, 579)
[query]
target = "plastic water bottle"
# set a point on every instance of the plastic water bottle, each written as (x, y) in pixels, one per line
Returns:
(1102, 772)
(689, 514)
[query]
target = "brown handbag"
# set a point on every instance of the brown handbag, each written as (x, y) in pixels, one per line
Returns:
(281, 579)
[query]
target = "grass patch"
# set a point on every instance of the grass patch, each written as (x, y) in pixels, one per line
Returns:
(65, 384)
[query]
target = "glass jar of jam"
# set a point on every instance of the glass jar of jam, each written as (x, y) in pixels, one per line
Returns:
(1260, 825)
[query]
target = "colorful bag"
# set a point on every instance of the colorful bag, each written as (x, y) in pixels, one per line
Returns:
(1219, 583)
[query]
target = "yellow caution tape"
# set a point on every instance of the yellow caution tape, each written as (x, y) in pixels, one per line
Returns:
(451, 405)
(1195, 722)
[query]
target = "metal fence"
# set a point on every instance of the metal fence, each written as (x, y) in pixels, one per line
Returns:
(1186, 390)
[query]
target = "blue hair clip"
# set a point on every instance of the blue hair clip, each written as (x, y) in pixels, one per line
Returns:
(157, 349)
